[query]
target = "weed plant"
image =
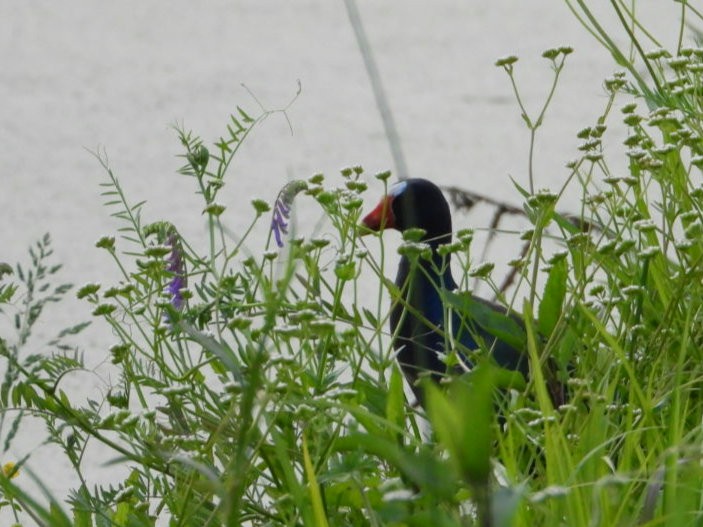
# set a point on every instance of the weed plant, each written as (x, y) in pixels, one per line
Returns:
(254, 390)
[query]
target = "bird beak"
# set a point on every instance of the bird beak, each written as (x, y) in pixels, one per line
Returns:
(380, 218)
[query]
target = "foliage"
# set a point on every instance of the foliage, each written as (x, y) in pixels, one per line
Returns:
(255, 389)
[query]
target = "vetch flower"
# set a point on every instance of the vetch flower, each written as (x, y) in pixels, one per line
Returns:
(282, 206)
(176, 266)
(168, 237)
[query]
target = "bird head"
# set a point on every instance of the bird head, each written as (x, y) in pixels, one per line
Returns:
(413, 203)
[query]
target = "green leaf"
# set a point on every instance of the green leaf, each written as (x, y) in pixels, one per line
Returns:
(484, 314)
(423, 468)
(553, 298)
(74, 329)
(220, 349)
(395, 403)
(565, 224)
(7, 292)
(436, 518)
(82, 518)
(370, 317)
(245, 117)
(523, 191)
(122, 513)
(314, 488)
(463, 422)
(53, 515)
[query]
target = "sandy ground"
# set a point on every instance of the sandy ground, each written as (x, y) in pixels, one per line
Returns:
(82, 75)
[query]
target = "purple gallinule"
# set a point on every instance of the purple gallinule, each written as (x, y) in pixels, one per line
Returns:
(427, 306)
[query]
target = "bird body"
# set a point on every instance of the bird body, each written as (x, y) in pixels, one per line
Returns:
(429, 319)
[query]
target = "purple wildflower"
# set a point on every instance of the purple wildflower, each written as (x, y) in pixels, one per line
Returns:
(176, 266)
(282, 207)
(279, 222)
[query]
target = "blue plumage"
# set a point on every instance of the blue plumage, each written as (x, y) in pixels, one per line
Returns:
(427, 301)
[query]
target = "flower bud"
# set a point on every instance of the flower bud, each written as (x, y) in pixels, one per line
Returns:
(260, 206)
(482, 270)
(104, 309)
(214, 209)
(106, 242)
(87, 290)
(506, 61)
(383, 176)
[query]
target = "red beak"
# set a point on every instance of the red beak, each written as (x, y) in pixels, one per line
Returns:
(381, 217)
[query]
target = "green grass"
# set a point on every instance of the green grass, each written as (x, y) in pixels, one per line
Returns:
(252, 390)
